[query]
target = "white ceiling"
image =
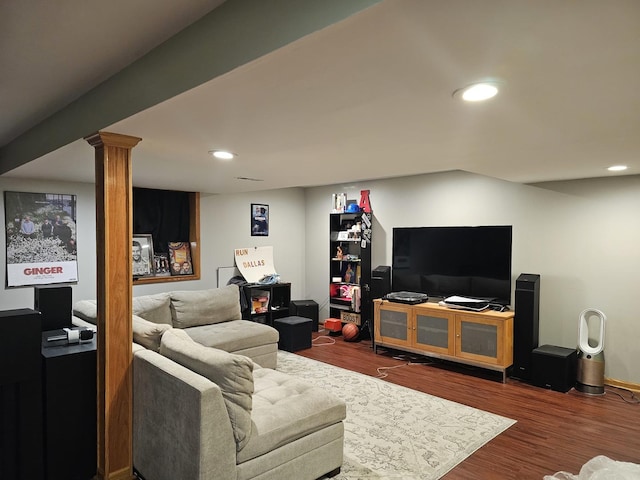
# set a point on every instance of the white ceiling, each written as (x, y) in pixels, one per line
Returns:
(369, 97)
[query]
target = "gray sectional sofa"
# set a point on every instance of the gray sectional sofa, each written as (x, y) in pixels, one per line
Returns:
(211, 317)
(208, 403)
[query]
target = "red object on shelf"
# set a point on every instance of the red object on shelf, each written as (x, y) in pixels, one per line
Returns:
(333, 324)
(364, 205)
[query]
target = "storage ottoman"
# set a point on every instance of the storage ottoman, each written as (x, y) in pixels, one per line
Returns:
(295, 333)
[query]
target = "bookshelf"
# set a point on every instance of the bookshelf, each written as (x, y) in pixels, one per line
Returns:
(350, 267)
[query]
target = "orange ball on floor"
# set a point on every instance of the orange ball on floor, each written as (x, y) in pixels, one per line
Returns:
(350, 332)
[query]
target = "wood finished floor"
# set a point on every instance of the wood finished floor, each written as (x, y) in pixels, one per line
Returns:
(554, 431)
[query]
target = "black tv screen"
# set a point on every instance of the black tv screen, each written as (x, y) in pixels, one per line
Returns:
(443, 261)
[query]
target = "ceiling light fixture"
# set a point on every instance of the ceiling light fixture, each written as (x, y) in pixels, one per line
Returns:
(617, 168)
(477, 92)
(223, 154)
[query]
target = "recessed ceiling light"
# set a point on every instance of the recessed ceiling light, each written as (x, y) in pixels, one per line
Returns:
(223, 154)
(477, 92)
(617, 168)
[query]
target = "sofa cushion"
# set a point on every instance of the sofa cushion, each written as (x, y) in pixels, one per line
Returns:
(154, 308)
(203, 307)
(286, 408)
(148, 334)
(86, 310)
(234, 336)
(232, 373)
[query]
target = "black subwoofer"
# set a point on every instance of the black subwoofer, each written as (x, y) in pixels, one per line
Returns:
(525, 324)
(554, 367)
(54, 305)
(307, 309)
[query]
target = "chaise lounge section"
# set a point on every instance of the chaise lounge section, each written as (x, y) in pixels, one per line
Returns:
(208, 403)
(203, 414)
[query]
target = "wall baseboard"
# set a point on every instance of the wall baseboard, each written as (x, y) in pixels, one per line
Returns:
(634, 387)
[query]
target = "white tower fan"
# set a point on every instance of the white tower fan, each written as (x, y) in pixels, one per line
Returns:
(590, 376)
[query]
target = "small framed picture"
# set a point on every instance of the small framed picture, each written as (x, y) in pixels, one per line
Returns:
(161, 265)
(142, 260)
(259, 220)
(180, 258)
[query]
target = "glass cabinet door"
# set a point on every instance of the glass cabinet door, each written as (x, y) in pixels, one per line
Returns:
(393, 326)
(479, 339)
(435, 333)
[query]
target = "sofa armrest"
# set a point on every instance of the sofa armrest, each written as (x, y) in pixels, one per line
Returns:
(181, 428)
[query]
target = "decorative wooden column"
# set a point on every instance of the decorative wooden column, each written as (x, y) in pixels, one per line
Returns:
(114, 226)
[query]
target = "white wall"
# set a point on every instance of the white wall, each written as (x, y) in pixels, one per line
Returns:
(22, 297)
(582, 237)
(224, 226)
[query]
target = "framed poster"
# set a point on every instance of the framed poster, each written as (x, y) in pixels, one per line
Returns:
(40, 238)
(142, 256)
(180, 258)
(259, 220)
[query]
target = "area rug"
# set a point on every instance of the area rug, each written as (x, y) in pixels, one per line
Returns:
(393, 432)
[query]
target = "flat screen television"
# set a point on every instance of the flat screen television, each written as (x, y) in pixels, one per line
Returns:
(443, 261)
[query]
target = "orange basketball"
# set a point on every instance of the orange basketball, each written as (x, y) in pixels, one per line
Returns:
(350, 332)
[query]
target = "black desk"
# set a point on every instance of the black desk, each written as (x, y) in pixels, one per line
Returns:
(70, 408)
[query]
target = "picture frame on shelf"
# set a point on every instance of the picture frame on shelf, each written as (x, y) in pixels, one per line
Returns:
(142, 256)
(180, 258)
(349, 272)
(259, 220)
(161, 265)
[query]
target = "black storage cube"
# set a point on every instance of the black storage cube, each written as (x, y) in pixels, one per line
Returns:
(295, 333)
(307, 309)
(554, 367)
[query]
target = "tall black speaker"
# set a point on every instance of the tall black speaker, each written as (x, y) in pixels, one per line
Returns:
(21, 454)
(380, 281)
(525, 324)
(54, 304)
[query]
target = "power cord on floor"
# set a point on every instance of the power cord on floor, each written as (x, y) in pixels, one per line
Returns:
(383, 372)
(325, 337)
(633, 400)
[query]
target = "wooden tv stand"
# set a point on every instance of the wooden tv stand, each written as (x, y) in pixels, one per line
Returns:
(482, 339)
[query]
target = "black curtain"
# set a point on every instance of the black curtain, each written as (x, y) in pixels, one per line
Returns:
(162, 213)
